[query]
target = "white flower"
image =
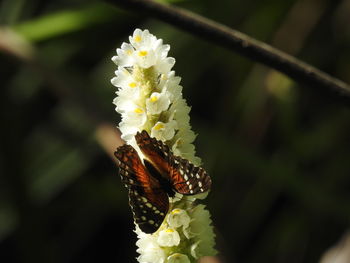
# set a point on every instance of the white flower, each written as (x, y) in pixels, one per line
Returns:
(149, 97)
(168, 238)
(157, 103)
(200, 216)
(145, 51)
(124, 79)
(128, 131)
(178, 217)
(170, 83)
(181, 112)
(164, 131)
(145, 58)
(141, 39)
(194, 250)
(152, 255)
(178, 258)
(149, 249)
(145, 241)
(136, 116)
(125, 56)
(200, 228)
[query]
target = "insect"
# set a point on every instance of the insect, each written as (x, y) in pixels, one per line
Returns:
(159, 176)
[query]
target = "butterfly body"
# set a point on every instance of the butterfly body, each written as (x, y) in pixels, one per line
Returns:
(165, 184)
(158, 177)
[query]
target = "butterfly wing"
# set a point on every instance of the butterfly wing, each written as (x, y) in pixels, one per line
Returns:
(185, 177)
(155, 151)
(148, 201)
(148, 211)
(190, 179)
(131, 169)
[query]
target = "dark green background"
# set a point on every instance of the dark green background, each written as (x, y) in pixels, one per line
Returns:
(278, 152)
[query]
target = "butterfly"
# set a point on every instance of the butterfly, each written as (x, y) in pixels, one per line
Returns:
(153, 180)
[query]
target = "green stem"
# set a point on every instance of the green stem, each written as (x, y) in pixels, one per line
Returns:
(241, 43)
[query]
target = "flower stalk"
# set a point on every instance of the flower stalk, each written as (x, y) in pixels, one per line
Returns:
(149, 97)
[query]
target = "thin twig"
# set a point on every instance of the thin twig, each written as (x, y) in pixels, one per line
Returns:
(239, 42)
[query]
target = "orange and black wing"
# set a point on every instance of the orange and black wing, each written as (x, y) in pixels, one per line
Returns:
(148, 200)
(185, 177)
(149, 207)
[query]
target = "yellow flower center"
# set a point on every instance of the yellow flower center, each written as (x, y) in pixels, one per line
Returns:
(132, 84)
(175, 211)
(154, 98)
(137, 38)
(129, 52)
(169, 230)
(159, 126)
(143, 53)
(138, 110)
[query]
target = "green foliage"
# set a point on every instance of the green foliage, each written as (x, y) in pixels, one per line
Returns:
(63, 22)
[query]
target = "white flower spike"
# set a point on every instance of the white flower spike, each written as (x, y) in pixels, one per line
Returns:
(149, 97)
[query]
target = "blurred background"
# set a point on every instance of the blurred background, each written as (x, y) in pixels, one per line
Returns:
(278, 151)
